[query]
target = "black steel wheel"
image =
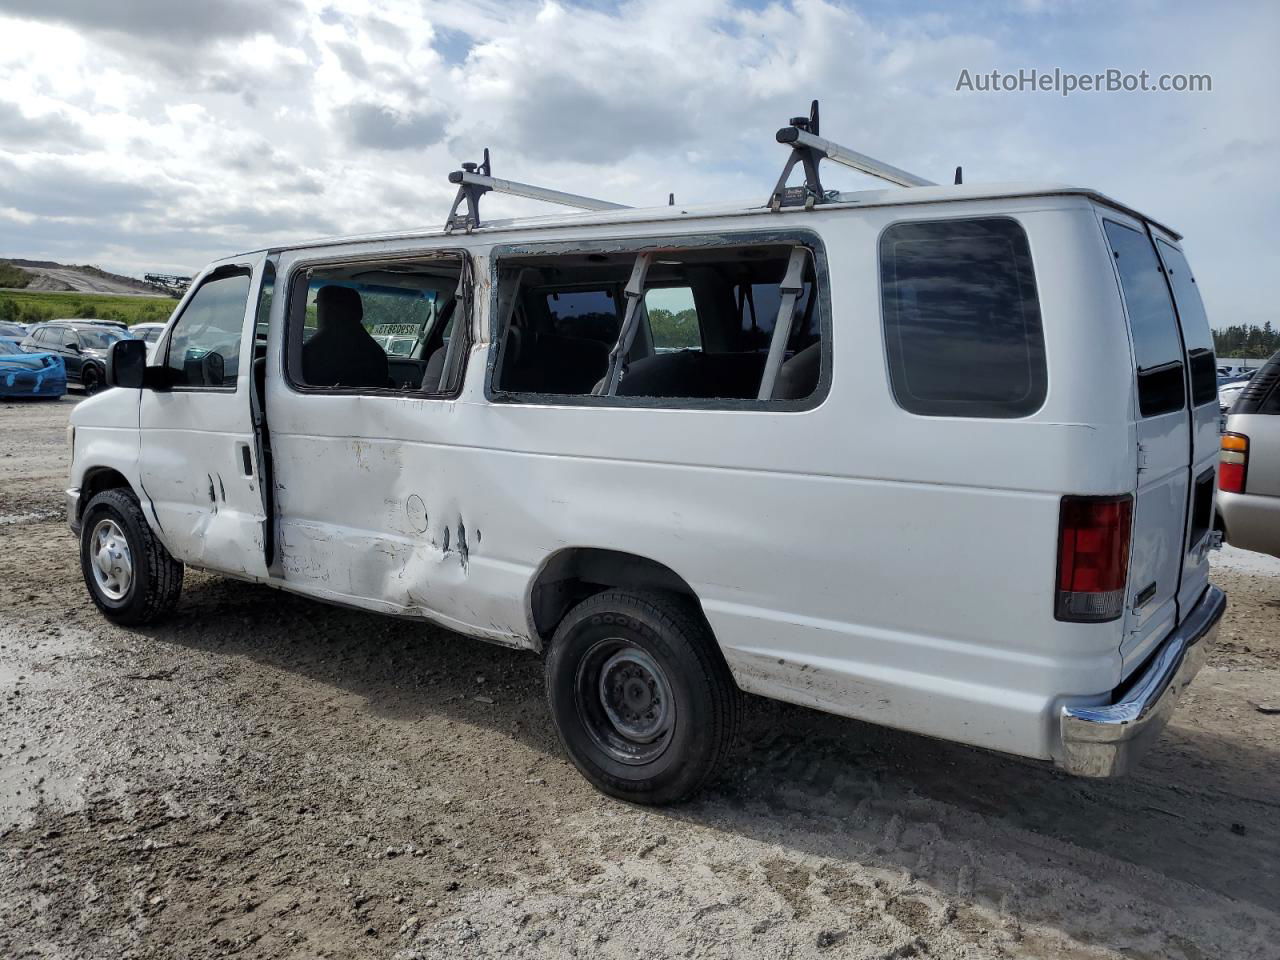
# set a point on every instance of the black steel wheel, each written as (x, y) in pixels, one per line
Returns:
(91, 379)
(641, 696)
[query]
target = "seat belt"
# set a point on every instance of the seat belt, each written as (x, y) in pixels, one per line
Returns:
(792, 286)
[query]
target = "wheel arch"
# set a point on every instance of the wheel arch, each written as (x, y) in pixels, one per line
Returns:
(572, 574)
(96, 480)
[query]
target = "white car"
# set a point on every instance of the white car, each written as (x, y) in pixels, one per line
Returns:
(150, 332)
(917, 467)
(1227, 394)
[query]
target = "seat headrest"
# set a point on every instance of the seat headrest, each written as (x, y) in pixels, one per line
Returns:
(338, 307)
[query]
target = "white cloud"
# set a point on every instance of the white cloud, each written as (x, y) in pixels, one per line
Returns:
(142, 142)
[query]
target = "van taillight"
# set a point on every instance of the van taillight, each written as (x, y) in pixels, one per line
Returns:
(1093, 558)
(1233, 462)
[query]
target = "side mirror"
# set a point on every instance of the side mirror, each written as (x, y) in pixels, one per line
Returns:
(127, 364)
(71, 345)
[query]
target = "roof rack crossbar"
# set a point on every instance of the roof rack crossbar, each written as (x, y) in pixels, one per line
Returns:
(809, 149)
(517, 189)
(852, 158)
(474, 180)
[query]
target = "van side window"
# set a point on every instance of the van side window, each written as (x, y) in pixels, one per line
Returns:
(560, 320)
(370, 326)
(962, 318)
(1195, 325)
(204, 347)
(1157, 346)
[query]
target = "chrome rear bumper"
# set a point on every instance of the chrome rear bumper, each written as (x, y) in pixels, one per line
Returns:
(1106, 740)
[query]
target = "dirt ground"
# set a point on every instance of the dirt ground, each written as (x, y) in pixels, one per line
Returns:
(263, 776)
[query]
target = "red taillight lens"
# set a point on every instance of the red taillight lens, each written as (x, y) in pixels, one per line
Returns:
(1093, 557)
(1233, 462)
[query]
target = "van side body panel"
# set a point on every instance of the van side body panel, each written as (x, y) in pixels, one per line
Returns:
(853, 557)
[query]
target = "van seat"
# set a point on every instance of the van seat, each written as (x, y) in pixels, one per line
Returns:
(555, 364)
(798, 377)
(692, 373)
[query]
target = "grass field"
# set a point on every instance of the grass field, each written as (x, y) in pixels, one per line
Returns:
(27, 306)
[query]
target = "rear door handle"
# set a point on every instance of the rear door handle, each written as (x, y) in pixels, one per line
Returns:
(1144, 596)
(246, 459)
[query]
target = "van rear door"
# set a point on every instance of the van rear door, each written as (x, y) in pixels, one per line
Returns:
(1173, 504)
(1202, 383)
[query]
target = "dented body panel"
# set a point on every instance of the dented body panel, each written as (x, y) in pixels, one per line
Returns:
(848, 555)
(192, 463)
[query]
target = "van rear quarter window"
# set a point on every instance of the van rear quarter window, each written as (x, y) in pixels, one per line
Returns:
(962, 326)
(1157, 346)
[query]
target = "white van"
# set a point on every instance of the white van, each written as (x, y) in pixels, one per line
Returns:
(940, 458)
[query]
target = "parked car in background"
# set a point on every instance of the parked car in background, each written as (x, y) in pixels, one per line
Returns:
(23, 374)
(94, 321)
(1231, 370)
(1228, 392)
(12, 332)
(82, 345)
(149, 332)
(1249, 472)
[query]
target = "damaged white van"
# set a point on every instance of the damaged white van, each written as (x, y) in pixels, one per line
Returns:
(940, 458)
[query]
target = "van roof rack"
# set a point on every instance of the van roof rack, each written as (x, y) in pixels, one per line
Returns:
(808, 149)
(474, 180)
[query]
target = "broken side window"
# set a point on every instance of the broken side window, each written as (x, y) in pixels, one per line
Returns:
(703, 328)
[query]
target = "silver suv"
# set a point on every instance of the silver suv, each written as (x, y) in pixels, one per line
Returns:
(1249, 475)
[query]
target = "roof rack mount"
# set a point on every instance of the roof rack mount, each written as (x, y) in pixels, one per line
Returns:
(474, 180)
(808, 149)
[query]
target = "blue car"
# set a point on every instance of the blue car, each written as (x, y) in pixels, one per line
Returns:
(30, 374)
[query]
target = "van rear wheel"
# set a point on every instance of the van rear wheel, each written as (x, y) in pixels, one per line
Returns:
(130, 575)
(640, 695)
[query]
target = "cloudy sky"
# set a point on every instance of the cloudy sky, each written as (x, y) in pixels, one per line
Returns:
(155, 135)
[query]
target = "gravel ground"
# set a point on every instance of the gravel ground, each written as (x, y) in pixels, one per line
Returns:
(263, 776)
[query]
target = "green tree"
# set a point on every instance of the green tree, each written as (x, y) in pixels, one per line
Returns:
(674, 331)
(1249, 342)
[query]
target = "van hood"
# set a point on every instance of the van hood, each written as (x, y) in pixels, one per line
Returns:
(116, 407)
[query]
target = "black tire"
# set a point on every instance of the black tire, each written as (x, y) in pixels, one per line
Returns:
(91, 379)
(155, 583)
(593, 658)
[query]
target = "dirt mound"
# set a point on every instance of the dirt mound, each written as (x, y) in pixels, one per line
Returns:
(47, 275)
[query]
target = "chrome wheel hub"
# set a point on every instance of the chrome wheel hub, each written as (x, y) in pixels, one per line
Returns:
(110, 559)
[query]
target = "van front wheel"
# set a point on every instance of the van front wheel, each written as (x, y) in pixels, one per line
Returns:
(642, 700)
(130, 575)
